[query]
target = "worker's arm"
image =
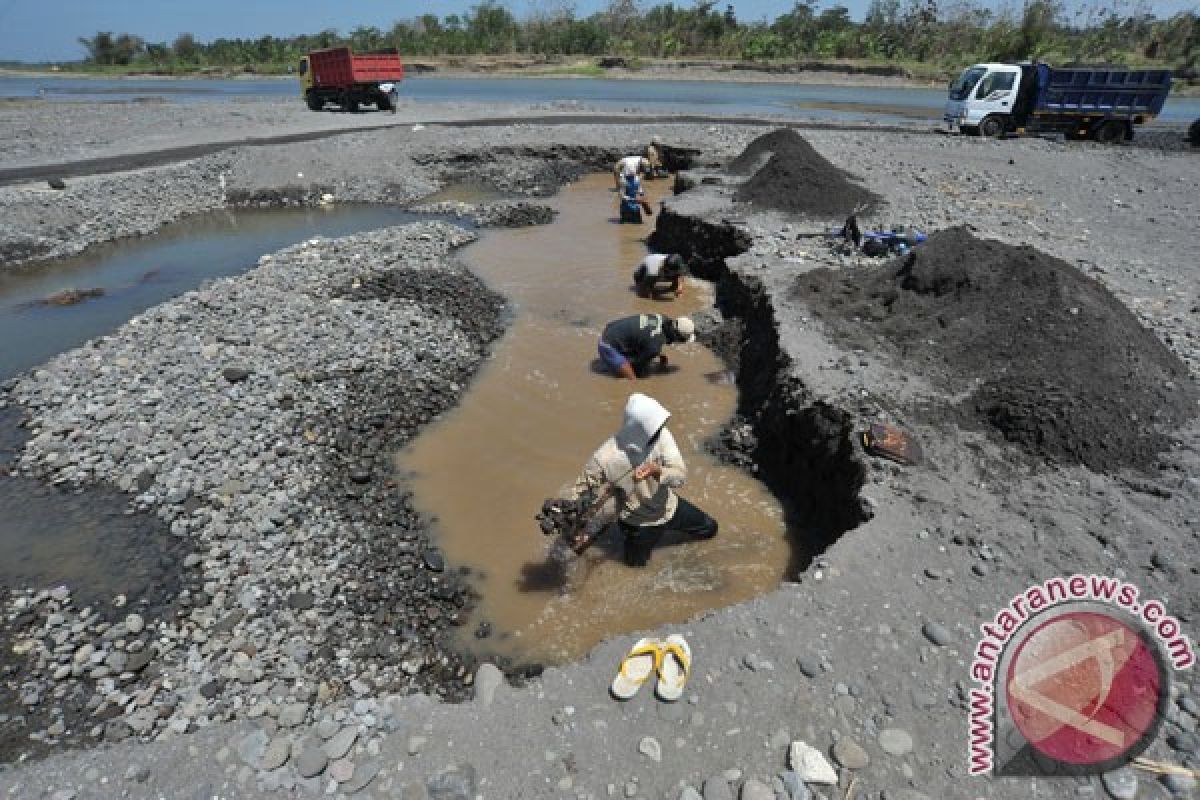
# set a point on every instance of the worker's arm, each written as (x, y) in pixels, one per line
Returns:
(674, 471)
(592, 479)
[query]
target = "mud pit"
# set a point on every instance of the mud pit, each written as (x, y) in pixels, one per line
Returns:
(535, 414)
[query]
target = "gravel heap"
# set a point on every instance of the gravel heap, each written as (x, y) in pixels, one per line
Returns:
(257, 417)
(798, 179)
(1056, 364)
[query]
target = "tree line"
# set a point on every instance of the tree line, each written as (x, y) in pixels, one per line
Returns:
(940, 32)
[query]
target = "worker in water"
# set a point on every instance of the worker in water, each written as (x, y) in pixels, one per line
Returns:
(628, 346)
(655, 168)
(657, 274)
(641, 462)
(629, 165)
(633, 200)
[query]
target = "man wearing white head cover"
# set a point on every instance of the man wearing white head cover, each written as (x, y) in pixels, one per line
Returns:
(643, 463)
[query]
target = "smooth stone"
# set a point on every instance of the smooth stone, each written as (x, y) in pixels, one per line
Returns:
(850, 754)
(650, 748)
(293, 714)
(810, 764)
(754, 789)
(456, 783)
(364, 773)
(488, 678)
(938, 634)
(251, 748)
(235, 374)
(340, 744)
(689, 793)
(895, 741)
(277, 753)
(135, 624)
(717, 788)
(794, 786)
(310, 761)
(341, 770)
(1178, 783)
(1121, 784)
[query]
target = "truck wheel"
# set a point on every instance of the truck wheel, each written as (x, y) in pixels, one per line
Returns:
(992, 126)
(352, 105)
(315, 103)
(383, 103)
(1194, 133)
(1109, 132)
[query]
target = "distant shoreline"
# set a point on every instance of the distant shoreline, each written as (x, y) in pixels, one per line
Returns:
(683, 70)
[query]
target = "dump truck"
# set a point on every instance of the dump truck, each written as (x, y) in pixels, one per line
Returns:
(338, 76)
(1100, 103)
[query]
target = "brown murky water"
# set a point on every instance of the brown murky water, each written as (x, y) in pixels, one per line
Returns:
(538, 410)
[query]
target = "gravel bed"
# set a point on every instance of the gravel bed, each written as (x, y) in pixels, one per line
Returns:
(256, 417)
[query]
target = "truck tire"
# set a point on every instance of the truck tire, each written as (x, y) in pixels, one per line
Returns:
(383, 103)
(1110, 131)
(992, 126)
(1194, 134)
(314, 101)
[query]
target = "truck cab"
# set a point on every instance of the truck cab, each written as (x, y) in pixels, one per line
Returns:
(983, 98)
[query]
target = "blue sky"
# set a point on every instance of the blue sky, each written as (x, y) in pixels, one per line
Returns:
(47, 30)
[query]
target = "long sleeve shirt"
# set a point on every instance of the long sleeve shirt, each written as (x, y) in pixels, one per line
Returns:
(639, 503)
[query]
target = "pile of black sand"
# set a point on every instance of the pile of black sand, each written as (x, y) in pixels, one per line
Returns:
(1048, 357)
(797, 179)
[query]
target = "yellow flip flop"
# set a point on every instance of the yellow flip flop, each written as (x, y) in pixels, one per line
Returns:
(636, 668)
(674, 667)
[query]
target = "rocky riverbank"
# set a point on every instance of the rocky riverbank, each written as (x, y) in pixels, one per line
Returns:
(864, 658)
(256, 417)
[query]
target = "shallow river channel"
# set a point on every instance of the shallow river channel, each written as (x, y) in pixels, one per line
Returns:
(534, 415)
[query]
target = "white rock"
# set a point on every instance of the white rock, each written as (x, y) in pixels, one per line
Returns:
(808, 762)
(650, 748)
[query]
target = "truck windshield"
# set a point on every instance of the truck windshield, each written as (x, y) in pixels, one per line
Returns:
(964, 83)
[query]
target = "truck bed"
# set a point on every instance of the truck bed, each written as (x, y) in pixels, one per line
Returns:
(339, 67)
(1102, 91)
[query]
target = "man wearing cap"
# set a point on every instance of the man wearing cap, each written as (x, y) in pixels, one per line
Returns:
(629, 345)
(642, 463)
(657, 269)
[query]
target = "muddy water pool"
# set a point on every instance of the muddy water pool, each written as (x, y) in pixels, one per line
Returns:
(137, 273)
(534, 415)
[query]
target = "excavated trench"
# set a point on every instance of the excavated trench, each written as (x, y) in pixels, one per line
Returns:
(801, 447)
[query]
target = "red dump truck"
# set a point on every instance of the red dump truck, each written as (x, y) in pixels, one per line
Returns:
(338, 76)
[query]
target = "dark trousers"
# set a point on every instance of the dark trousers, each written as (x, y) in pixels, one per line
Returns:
(688, 522)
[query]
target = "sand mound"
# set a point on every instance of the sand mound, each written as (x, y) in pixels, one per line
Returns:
(797, 179)
(1052, 361)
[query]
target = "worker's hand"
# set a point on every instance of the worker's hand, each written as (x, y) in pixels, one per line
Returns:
(650, 469)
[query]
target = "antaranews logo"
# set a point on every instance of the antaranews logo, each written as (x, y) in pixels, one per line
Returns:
(1072, 678)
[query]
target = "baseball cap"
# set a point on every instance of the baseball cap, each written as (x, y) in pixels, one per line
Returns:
(686, 329)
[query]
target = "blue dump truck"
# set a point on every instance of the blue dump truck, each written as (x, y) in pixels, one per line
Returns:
(1101, 103)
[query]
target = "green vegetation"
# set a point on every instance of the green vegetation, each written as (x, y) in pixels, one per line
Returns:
(927, 37)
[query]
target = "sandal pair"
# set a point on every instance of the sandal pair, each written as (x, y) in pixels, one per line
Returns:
(670, 659)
